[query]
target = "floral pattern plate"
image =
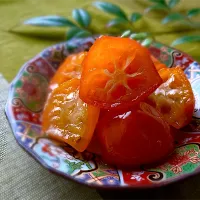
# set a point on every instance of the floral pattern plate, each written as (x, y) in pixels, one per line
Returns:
(26, 99)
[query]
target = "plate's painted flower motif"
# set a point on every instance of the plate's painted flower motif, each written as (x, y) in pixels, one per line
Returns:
(182, 62)
(32, 91)
(178, 160)
(137, 176)
(164, 57)
(55, 156)
(164, 49)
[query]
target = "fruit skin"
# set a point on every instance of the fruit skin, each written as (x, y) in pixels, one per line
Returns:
(135, 137)
(94, 146)
(157, 63)
(116, 73)
(174, 99)
(67, 118)
(70, 68)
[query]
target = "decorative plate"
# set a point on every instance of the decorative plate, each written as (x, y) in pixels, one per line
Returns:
(26, 99)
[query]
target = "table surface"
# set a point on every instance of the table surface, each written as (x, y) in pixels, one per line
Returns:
(17, 48)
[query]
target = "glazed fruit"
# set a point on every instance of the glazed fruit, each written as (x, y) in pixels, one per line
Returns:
(174, 99)
(119, 102)
(135, 137)
(67, 118)
(116, 73)
(157, 63)
(70, 68)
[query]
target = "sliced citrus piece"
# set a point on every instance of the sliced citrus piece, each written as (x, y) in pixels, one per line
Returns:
(67, 118)
(70, 68)
(174, 99)
(117, 72)
(157, 63)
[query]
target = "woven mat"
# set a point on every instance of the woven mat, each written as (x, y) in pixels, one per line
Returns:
(21, 177)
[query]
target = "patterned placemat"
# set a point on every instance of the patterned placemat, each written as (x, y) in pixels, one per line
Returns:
(21, 177)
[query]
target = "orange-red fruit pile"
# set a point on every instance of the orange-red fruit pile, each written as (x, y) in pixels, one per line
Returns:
(118, 101)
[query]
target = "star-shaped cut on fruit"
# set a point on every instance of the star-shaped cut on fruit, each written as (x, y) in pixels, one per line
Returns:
(120, 77)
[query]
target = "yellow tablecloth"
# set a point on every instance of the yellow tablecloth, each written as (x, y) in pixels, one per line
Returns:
(15, 49)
